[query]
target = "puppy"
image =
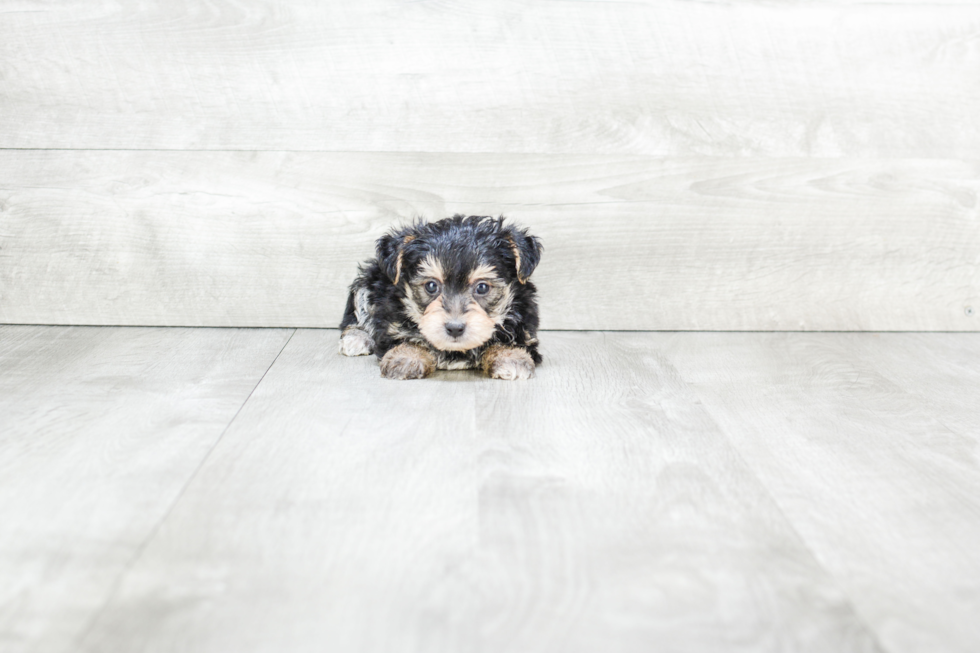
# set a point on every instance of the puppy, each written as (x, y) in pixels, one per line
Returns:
(447, 295)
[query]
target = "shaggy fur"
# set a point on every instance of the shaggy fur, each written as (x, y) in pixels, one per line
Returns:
(449, 295)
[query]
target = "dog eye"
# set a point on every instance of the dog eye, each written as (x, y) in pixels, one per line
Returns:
(482, 288)
(431, 287)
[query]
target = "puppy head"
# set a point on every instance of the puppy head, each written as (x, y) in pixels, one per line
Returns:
(458, 276)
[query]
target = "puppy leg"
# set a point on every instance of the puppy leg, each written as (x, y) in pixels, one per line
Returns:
(407, 362)
(356, 342)
(510, 363)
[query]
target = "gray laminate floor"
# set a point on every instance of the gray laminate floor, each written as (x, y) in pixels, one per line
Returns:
(250, 490)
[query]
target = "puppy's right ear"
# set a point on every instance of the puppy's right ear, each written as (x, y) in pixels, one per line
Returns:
(390, 251)
(526, 249)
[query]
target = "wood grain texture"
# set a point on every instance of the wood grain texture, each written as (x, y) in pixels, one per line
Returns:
(868, 443)
(100, 430)
(595, 507)
(332, 520)
(674, 78)
(273, 239)
(615, 515)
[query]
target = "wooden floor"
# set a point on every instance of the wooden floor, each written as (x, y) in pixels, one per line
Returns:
(167, 489)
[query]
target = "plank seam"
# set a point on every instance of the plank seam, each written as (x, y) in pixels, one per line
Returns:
(869, 628)
(114, 588)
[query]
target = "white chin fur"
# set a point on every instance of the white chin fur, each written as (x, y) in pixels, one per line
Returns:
(456, 347)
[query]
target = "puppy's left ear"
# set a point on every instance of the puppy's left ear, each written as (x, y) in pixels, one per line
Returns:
(527, 252)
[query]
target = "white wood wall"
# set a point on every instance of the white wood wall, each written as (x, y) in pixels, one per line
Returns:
(689, 165)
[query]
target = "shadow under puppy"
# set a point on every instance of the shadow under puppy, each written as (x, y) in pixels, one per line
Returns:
(447, 295)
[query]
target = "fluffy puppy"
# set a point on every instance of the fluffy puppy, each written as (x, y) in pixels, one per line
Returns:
(447, 295)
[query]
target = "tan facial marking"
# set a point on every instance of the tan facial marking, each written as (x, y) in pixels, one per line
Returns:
(431, 268)
(479, 326)
(500, 310)
(412, 309)
(484, 272)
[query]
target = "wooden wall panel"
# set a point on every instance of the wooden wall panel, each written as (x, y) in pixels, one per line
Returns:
(691, 165)
(665, 78)
(273, 238)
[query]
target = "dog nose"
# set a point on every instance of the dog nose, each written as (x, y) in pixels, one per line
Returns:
(455, 329)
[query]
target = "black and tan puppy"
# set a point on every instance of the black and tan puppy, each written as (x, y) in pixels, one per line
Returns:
(447, 295)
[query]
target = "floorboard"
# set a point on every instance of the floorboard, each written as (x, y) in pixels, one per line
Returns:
(331, 516)
(869, 444)
(595, 507)
(616, 516)
(677, 491)
(100, 430)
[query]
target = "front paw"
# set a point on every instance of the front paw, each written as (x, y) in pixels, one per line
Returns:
(508, 363)
(407, 362)
(356, 342)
